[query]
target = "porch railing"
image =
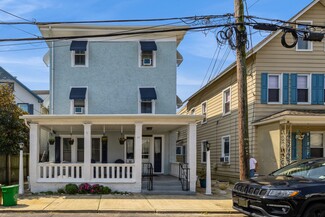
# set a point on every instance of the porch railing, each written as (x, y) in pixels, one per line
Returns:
(107, 172)
(147, 175)
(54, 171)
(184, 176)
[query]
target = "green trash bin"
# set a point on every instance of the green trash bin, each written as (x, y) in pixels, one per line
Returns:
(10, 195)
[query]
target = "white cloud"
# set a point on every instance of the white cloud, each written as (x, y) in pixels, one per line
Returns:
(22, 8)
(199, 45)
(35, 61)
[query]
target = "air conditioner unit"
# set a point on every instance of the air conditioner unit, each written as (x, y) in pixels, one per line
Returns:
(147, 61)
(224, 159)
(79, 110)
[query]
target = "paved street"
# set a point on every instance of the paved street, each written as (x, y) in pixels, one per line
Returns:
(115, 215)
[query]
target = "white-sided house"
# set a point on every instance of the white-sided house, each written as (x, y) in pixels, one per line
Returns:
(112, 112)
(26, 99)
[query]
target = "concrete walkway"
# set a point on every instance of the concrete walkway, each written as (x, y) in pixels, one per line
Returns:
(124, 203)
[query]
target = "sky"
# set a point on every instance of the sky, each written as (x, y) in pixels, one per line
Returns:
(199, 49)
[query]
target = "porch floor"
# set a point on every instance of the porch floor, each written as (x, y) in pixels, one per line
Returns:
(164, 185)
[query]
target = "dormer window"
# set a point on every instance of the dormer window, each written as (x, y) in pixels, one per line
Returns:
(79, 53)
(148, 54)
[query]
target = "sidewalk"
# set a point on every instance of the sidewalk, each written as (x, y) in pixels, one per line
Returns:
(138, 203)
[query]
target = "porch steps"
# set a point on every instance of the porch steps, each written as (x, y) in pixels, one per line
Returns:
(165, 185)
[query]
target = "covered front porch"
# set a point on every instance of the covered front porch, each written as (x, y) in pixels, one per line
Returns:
(106, 149)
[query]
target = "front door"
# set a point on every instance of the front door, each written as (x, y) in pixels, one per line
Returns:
(152, 152)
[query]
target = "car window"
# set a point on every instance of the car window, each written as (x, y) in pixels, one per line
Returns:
(314, 169)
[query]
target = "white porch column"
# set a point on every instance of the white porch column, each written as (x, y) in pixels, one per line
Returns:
(191, 154)
(138, 156)
(34, 135)
(87, 173)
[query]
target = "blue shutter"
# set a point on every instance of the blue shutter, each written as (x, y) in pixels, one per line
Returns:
(264, 88)
(285, 91)
(306, 146)
(30, 109)
(314, 89)
(293, 147)
(293, 89)
(57, 149)
(320, 89)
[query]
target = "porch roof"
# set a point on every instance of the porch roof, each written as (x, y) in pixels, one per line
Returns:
(157, 119)
(298, 117)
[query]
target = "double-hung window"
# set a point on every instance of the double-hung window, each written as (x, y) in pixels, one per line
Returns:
(147, 54)
(303, 88)
(226, 101)
(301, 44)
(274, 89)
(147, 100)
(79, 53)
(204, 112)
(225, 149)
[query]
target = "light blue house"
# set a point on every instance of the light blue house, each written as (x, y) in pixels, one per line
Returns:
(112, 109)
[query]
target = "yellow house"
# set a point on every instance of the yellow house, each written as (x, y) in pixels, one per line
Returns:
(286, 109)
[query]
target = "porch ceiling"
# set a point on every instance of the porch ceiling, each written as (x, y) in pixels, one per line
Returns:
(152, 124)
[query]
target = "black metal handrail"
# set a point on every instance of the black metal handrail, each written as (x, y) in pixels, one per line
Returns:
(184, 176)
(147, 175)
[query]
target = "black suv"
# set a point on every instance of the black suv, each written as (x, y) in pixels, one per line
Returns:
(294, 190)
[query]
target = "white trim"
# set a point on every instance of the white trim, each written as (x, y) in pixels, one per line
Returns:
(223, 147)
(72, 101)
(223, 101)
(204, 113)
(153, 102)
(280, 76)
(309, 89)
(202, 150)
(86, 57)
(154, 57)
(192, 111)
(310, 43)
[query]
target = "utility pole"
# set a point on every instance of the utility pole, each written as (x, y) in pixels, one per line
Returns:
(241, 38)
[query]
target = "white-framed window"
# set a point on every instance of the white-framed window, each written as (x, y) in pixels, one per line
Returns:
(147, 54)
(192, 112)
(303, 88)
(274, 88)
(23, 106)
(78, 100)
(225, 149)
(204, 112)
(301, 44)
(226, 101)
(129, 149)
(317, 144)
(147, 100)
(96, 150)
(203, 151)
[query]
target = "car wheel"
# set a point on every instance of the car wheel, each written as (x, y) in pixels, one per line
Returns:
(315, 210)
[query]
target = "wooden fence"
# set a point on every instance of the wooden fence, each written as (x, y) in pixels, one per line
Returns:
(14, 168)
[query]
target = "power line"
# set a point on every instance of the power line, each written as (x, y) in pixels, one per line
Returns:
(122, 21)
(14, 15)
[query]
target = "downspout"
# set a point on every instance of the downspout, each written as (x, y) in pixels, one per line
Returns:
(52, 76)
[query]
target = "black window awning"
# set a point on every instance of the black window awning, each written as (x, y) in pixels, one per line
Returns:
(78, 93)
(78, 45)
(148, 45)
(148, 93)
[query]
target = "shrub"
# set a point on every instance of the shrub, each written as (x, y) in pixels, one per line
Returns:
(61, 191)
(71, 189)
(84, 188)
(106, 190)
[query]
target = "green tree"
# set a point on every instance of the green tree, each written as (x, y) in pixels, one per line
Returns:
(12, 129)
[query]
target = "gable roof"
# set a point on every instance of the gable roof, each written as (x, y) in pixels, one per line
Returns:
(6, 75)
(256, 48)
